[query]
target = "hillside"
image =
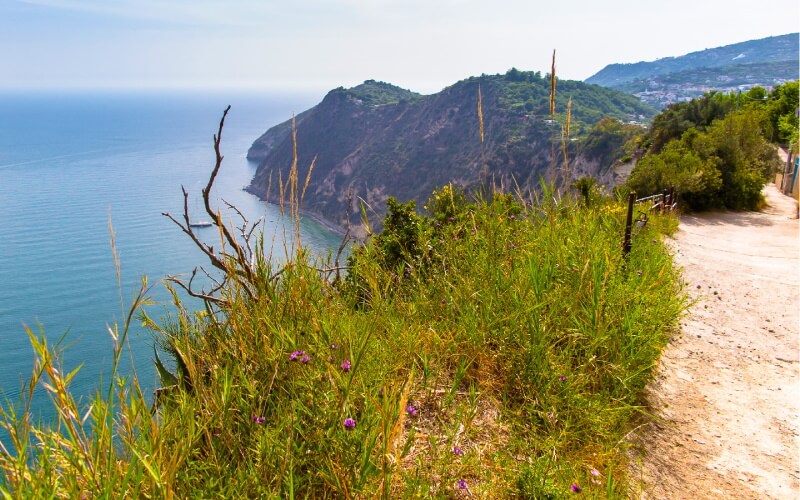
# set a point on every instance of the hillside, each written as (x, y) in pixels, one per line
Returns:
(377, 140)
(765, 62)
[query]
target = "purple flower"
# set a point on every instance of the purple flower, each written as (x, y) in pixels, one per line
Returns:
(562, 378)
(462, 485)
(575, 488)
(296, 355)
(511, 217)
(639, 272)
(335, 346)
(452, 219)
(259, 420)
(349, 424)
(345, 366)
(594, 472)
(305, 359)
(444, 301)
(457, 451)
(411, 410)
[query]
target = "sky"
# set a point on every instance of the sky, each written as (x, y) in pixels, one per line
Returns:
(314, 45)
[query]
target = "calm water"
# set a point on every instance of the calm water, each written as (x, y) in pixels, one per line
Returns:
(70, 163)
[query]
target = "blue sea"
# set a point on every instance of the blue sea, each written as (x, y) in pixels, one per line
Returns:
(75, 164)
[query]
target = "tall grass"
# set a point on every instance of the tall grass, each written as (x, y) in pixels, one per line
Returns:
(503, 355)
(496, 347)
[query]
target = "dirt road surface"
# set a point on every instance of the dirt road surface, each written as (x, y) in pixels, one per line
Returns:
(727, 391)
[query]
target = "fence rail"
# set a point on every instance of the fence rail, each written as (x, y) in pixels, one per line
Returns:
(663, 203)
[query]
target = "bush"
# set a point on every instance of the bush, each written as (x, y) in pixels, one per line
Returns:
(450, 351)
(725, 166)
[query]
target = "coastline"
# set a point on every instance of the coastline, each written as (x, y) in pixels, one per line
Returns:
(316, 217)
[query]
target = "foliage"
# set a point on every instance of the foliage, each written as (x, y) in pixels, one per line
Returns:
(446, 203)
(375, 93)
(782, 106)
(726, 166)
(400, 237)
(609, 140)
(519, 332)
(529, 92)
(587, 187)
(457, 343)
(697, 114)
(697, 181)
(715, 150)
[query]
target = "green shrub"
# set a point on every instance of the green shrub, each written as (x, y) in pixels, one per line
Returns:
(725, 166)
(510, 360)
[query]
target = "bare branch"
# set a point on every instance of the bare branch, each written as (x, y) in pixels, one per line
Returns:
(192, 293)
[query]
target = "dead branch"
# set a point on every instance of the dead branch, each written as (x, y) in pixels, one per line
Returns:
(235, 264)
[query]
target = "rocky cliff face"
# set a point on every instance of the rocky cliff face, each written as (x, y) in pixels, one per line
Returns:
(376, 140)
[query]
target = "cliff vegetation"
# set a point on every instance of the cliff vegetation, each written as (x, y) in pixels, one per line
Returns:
(718, 151)
(495, 347)
(377, 140)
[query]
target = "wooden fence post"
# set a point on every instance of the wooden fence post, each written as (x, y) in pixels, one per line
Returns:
(626, 242)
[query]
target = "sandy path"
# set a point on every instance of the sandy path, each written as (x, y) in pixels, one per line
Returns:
(727, 391)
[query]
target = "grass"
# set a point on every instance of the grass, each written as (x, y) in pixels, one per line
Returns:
(496, 348)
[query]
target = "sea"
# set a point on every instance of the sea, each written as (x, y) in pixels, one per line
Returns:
(81, 169)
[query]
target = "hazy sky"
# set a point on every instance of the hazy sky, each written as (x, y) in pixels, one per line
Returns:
(423, 45)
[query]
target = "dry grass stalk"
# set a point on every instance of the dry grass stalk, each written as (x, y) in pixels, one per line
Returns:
(553, 87)
(480, 112)
(552, 118)
(565, 144)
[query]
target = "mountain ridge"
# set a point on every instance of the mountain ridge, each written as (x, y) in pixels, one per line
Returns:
(764, 62)
(781, 48)
(377, 140)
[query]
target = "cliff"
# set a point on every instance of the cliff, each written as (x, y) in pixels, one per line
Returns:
(377, 140)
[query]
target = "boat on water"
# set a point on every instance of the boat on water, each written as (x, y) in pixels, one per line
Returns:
(201, 223)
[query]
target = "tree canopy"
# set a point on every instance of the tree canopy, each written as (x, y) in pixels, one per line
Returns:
(716, 150)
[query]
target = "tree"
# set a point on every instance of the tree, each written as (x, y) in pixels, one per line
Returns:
(609, 140)
(697, 180)
(725, 166)
(782, 108)
(698, 113)
(747, 159)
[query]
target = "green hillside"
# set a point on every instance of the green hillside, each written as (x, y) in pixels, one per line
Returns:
(377, 140)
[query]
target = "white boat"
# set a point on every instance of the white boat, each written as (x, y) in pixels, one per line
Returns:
(201, 223)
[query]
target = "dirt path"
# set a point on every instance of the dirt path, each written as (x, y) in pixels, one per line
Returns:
(727, 391)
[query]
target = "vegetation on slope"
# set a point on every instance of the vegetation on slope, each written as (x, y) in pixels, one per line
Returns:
(734, 75)
(376, 140)
(495, 347)
(784, 48)
(716, 151)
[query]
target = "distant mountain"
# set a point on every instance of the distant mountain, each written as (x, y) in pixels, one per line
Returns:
(765, 62)
(377, 140)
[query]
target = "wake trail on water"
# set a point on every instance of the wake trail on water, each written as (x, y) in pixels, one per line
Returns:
(60, 157)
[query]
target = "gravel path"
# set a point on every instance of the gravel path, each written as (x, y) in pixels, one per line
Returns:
(727, 392)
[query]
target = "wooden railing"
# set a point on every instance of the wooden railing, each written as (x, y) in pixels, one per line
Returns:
(662, 203)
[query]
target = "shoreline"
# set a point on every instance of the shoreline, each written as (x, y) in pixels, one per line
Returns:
(316, 217)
